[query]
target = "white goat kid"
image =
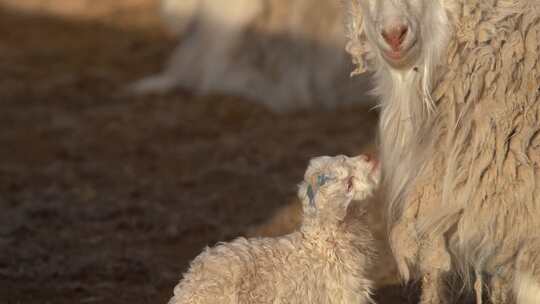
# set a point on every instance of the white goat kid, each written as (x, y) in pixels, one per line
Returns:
(458, 82)
(325, 262)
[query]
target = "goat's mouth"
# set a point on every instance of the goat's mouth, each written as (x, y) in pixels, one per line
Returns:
(350, 184)
(403, 57)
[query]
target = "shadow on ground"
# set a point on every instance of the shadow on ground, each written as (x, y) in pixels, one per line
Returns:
(105, 198)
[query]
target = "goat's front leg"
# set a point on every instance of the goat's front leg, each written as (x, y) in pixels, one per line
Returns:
(404, 245)
(435, 263)
(404, 240)
(500, 289)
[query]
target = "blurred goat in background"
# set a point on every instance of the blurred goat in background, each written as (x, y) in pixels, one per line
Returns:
(286, 54)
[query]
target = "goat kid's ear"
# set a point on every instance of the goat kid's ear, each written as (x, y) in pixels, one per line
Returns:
(302, 191)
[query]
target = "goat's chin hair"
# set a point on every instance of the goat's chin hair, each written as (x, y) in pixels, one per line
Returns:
(408, 107)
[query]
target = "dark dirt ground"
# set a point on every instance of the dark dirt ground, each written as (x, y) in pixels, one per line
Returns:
(105, 198)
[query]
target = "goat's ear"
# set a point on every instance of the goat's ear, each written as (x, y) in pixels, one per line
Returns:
(357, 45)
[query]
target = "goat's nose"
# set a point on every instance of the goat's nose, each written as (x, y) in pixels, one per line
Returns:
(395, 36)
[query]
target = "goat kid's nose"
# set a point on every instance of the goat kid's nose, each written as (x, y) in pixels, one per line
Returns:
(395, 36)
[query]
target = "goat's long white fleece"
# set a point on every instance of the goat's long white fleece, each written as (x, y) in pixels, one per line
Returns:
(460, 136)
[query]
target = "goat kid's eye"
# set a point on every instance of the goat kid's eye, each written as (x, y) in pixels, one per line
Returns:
(322, 180)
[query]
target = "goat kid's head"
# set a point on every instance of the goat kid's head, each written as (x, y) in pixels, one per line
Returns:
(398, 33)
(331, 183)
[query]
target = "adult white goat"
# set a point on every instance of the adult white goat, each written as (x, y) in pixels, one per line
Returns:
(284, 53)
(459, 83)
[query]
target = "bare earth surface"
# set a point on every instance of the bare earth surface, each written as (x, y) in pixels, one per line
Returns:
(105, 198)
